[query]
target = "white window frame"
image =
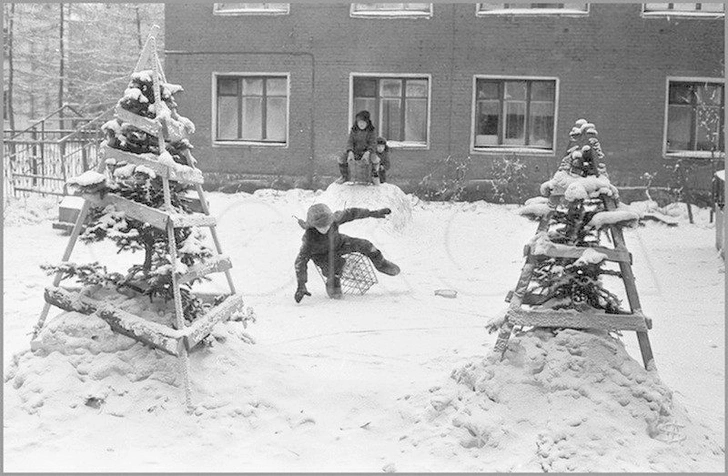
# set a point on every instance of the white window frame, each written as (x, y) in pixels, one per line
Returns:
(390, 13)
(696, 14)
(518, 150)
(695, 154)
(391, 143)
(213, 130)
(532, 11)
(250, 11)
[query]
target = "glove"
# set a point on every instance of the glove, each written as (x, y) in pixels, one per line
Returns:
(365, 155)
(350, 156)
(300, 292)
(381, 213)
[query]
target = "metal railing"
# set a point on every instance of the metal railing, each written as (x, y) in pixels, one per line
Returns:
(40, 159)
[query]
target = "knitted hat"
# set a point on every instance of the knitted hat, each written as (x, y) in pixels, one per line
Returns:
(319, 215)
(381, 140)
(363, 115)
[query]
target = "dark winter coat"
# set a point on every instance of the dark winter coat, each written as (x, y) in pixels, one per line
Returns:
(384, 158)
(361, 140)
(316, 245)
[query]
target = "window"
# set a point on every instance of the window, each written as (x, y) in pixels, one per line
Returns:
(251, 9)
(391, 9)
(533, 8)
(513, 113)
(713, 10)
(252, 108)
(695, 116)
(399, 106)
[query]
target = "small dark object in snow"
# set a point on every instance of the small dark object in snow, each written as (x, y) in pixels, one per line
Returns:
(94, 402)
(448, 293)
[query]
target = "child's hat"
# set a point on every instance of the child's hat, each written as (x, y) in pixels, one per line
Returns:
(381, 140)
(319, 215)
(363, 115)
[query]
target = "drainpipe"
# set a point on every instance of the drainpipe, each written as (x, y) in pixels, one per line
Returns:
(279, 53)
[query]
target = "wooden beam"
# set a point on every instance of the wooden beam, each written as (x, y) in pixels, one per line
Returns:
(195, 219)
(216, 264)
(557, 250)
(156, 335)
(202, 326)
(70, 300)
(150, 126)
(577, 320)
(180, 173)
(138, 211)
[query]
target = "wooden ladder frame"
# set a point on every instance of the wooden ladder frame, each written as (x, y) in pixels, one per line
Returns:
(179, 340)
(634, 321)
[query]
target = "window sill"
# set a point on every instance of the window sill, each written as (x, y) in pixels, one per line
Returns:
(247, 144)
(392, 15)
(695, 15)
(534, 12)
(249, 13)
(693, 154)
(512, 150)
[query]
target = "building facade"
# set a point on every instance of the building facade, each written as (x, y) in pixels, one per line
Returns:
(273, 88)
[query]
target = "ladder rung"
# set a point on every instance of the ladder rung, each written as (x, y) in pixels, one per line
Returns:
(179, 173)
(202, 326)
(557, 250)
(156, 218)
(194, 219)
(577, 320)
(216, 264)
(150, 126)
(151, 333)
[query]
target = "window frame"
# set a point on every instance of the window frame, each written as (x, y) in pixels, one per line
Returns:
(696, 14)
(500, 148)
(392, 143)
(390, 13)
(694, 154)
(532, 11)
(242, 142)
(245, 12)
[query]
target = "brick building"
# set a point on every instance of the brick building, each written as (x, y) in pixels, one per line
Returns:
(273, 88)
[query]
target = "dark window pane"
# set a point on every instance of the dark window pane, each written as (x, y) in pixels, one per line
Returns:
(681, 93)
(415, 120)
(227, 86)
(543, 90)
(365, 87)
(678, 128)
(252, 118)
(488, 90)
(515, 123)
(488, 117)
(227, 118)
(391, 125)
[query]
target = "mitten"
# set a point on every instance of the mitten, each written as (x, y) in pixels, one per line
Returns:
(381, 213)
(300, 292)
(350, 156)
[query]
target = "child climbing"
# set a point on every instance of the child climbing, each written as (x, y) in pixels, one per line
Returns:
(360, 145)
(323, 244)
(382, 152)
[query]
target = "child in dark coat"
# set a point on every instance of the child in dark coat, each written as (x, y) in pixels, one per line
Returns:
(382, 151)
(360, 144)
(323, 244)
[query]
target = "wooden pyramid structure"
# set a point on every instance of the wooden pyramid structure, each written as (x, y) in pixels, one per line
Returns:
(180, 338)
(531, 303)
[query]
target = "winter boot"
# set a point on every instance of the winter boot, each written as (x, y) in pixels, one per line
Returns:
(384, 266)
(375, 180)
(344, 170)
(333, 287)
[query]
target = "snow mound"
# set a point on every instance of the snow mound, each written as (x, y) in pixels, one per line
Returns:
(574, 401)
(78, 361)
(30, 210)
(535, 207)
(623, 214)
(340, 196)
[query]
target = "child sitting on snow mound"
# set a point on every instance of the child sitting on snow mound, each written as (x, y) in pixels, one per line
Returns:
(323, 243)
(360, 153)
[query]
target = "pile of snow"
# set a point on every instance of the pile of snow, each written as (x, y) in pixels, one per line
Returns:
(78, 361)
(575, 187)
(535, 207)
(373, 197)
(574, 401)
(30, 210)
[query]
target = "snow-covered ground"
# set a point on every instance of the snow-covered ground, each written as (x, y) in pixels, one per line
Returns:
(398, 379)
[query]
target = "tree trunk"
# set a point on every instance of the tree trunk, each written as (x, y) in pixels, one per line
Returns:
(9, 98)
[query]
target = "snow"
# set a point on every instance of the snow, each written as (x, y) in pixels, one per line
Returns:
(398, 379)
(90, 177)
(590, 256)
